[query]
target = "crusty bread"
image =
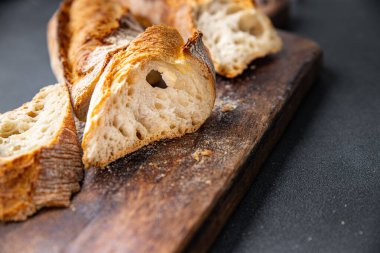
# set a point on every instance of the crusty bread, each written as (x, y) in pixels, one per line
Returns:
(235, 31)
(159, 87)
(40, 157)
(82, 37)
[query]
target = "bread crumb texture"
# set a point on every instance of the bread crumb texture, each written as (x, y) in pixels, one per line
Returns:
(40, 157)
(236, 32)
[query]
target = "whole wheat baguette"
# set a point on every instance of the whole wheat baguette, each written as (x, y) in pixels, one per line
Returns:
(235, 31)
(159, 87)
(40, 157)
(82, 37)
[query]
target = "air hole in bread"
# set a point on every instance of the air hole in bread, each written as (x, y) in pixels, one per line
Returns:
(138, 135)
(32, 114)
(158, 106)
(8, 129)
(217, 39)
(39, 107)
(238, 41)
(249, 24)
(154, 78)
(16, 148)
(123, 132)
(233, 9)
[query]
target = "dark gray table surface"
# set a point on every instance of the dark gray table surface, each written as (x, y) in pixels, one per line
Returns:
(320, 189)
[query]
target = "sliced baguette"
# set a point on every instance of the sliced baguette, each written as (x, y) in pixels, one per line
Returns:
(159, 87)
(40, 157)
(235, 31)
(82, 37)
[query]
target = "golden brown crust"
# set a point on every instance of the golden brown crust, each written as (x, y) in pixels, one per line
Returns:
(77, 28)
(44, 177)
(182, 15)
(157, 43)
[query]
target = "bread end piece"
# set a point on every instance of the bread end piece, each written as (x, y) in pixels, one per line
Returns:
(236, 33)
(159, 87)
(40, 156)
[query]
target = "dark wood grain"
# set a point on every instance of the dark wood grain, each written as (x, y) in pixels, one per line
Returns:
(161, 199)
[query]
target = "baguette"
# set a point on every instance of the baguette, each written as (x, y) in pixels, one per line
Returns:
(82, 37)
(131, 87)
(159, 87)
(40, 156)
(235, 31)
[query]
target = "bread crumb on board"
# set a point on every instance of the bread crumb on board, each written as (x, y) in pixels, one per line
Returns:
(198, 154)
(228, 107)
(226, 104)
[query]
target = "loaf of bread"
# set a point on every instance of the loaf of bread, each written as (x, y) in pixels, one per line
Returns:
(159, 87)
(82, 37)
(132, 87)
(40, 156)
(235, 31)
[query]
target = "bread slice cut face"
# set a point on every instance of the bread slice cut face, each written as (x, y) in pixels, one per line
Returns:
(159, 87)
(235, 31)
(40, 156)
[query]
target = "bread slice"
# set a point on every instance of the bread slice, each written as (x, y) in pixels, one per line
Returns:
(82, 37)
(159, 87)
(40, 157)
(235, 31)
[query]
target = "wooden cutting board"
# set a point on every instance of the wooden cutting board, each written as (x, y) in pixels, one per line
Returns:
(175, 195)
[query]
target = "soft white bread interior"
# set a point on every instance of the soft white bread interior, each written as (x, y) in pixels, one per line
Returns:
(236, 33)
(157, 88)
(40, 156)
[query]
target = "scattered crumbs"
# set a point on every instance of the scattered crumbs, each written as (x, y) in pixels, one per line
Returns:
(206, 152)
(309, 239)
(345, 205)
(208, 182)
(198, 154)
(334, 211)
(360, 232)
(226, 104)
(342, 222)
(159, 177)
(228, 107)
(72, 207)
(154, 165)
